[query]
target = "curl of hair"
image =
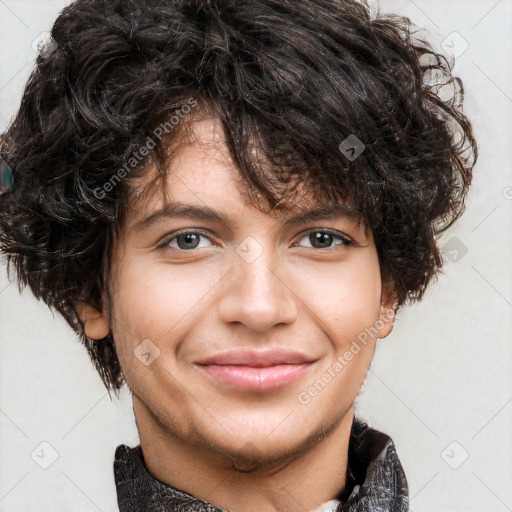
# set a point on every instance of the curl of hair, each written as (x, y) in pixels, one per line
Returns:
(290, 80)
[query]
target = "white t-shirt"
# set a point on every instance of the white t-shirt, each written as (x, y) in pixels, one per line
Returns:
(328, 506)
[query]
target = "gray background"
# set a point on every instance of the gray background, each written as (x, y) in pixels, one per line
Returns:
(440, 384)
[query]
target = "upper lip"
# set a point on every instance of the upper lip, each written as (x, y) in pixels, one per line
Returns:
(257, 358)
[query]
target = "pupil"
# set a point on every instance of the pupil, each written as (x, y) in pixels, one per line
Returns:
(189, 238)
(321, 238)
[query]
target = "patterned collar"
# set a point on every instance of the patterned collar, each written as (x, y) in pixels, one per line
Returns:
(376, 480)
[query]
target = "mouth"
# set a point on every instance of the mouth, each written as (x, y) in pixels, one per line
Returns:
(259, 371)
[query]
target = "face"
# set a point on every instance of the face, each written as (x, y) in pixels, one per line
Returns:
(235, 326)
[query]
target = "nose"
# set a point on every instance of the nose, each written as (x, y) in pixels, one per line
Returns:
(256, 296)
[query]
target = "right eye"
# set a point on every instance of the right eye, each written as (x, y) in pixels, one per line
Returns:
(183, 240)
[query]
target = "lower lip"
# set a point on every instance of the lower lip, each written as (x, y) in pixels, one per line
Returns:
(248, 378)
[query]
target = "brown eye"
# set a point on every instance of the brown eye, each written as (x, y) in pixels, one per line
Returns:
(322, 239)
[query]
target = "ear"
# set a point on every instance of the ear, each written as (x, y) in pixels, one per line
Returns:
(388, 306)
(95, 323)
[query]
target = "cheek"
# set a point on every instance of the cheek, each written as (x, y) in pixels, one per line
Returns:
(157, 300)
(344, 297)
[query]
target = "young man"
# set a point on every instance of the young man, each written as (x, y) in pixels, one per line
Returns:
(229, 201)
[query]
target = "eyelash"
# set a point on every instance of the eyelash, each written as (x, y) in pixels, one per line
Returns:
(336, 234)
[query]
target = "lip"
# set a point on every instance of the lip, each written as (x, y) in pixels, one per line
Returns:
(255, 370)
(257, 358)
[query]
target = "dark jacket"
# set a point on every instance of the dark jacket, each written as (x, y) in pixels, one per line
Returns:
(376, 481)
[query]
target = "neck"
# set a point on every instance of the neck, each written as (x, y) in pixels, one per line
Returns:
(313, 473)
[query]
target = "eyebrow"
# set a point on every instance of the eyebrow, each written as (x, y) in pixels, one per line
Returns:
(205, 213)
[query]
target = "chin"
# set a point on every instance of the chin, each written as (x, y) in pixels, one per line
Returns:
(264, 439)
(258, 452)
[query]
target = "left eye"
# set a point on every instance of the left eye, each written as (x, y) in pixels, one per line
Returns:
(324, 239)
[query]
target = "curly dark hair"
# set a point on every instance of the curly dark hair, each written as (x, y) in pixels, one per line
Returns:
(292, 80)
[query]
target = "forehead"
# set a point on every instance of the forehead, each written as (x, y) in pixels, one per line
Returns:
(200, 170)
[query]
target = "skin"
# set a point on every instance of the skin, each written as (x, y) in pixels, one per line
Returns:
(240, 450)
